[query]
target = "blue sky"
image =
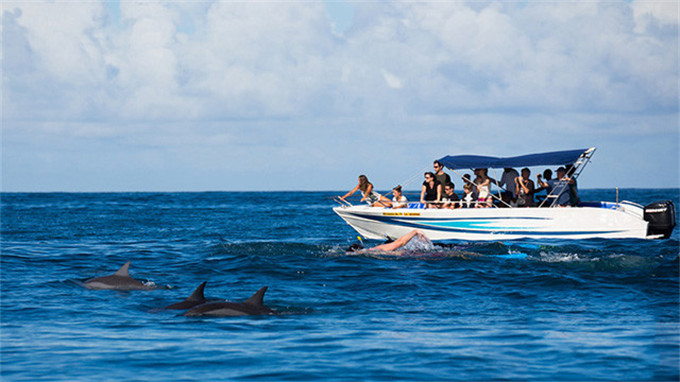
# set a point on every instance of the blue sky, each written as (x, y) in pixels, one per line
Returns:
(191, 96)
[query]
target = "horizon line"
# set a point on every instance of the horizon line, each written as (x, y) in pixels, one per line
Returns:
(273, 191)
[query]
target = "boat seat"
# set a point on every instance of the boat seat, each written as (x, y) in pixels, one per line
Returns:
(609, 205)
(416, 205)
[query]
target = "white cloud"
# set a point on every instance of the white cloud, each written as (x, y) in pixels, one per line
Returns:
(650, 12)
(278, 79)
(65, 39)
(260, 59)
(391, 80)
(283, 59)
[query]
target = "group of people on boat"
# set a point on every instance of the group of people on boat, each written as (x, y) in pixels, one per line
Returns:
(518, 190)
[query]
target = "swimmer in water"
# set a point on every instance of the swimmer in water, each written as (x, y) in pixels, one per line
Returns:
(392, 246)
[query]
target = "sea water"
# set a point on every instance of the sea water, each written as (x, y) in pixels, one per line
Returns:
(525, 309)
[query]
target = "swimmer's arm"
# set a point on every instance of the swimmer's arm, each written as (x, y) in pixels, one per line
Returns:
(400, 242)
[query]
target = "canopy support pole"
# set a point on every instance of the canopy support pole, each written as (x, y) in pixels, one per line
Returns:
(579, 165)
(498, 187)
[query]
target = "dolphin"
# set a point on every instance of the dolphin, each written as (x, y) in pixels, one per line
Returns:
(196, 298)
(120, 280)
(251, 307)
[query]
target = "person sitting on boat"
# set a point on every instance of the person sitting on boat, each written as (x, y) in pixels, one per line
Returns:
(524, 188)
(508, 182)
(450, 199)
(559, 187)
(468, 196)
(466, 180)
(483, 183)
(371, 197)
(439, 173)
(391, 246)
(399, 200)
(431, 191)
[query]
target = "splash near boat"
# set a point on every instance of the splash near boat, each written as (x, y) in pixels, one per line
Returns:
(502, 220)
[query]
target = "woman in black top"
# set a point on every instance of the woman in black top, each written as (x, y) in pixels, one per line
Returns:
(432, 189)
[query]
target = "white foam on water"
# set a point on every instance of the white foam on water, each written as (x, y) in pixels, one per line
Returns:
(418, 243)
(560, 257)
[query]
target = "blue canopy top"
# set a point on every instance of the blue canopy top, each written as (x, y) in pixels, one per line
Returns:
(544, 159)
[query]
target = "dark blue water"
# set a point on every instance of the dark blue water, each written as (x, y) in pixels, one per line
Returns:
(569, 310)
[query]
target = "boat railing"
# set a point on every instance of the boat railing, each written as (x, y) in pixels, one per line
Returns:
(427, 204)
(633, 210)
(628, 202)
(474, 203)
(456, 204)
(342, 202)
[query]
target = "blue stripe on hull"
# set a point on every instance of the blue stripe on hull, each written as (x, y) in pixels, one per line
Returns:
(460, 225)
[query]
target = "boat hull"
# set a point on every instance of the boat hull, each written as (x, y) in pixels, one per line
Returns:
(484, 224)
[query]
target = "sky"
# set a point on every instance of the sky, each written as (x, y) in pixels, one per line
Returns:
(282, 95)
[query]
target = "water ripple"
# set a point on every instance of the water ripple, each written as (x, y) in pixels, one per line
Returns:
(516, 310)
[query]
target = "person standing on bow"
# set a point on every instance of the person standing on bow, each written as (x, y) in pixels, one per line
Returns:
(371, 197)
(431, 191)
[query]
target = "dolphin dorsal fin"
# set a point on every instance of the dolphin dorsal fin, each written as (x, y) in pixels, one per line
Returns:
(124, 271)
(198, 293)
(257, 298)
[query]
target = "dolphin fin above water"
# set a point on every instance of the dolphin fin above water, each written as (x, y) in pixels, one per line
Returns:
(252, 307)
(196, 298)
(124, 271)
(120, 280)
(258, 298)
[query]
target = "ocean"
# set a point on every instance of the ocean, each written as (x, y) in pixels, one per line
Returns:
(521, 310)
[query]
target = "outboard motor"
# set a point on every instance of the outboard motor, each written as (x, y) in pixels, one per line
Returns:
(661, 218)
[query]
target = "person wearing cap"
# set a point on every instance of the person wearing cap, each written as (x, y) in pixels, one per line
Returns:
(559, 186)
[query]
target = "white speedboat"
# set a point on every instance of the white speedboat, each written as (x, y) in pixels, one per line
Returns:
(504, 222)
